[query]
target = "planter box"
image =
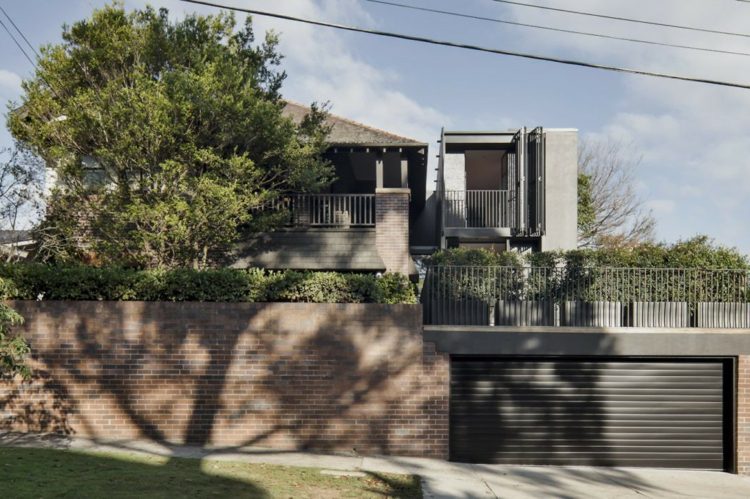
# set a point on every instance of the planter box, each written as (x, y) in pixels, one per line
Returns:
(525, 313)
(659, 314)
(591, 314)
(454, 312)
(724, 315)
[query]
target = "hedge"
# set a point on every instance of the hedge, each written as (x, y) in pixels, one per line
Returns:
(31, 281)
(712, 273)
(696, 253)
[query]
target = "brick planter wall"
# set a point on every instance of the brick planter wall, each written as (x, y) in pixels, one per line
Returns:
(326, 377)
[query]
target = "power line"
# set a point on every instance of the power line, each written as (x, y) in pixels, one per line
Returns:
(18, 44)
(476, 48)
(20, 32)
(626, 19)
(550, 28)
(33, 63)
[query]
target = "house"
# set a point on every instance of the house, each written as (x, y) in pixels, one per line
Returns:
(361, 222)
(507, 190)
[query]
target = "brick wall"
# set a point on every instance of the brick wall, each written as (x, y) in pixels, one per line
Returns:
(743, 415)
(392, 228)
(327, 377)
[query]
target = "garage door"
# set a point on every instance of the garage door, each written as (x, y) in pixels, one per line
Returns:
(612, 412)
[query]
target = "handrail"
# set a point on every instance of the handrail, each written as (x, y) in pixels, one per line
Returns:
(327, 210)
(477, 208)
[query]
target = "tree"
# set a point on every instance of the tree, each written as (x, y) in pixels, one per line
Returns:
(610, 212)
(166, 137)
(21, 179)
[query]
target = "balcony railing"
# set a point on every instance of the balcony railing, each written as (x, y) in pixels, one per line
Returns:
(595, 297)
(327, 210)
(477, 209)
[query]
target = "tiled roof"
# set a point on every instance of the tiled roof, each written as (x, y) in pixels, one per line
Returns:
(348, 132)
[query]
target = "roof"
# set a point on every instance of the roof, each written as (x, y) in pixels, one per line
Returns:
(346, 132)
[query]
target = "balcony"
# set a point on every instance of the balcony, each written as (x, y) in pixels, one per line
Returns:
(327, 210)
(586, 297)
(478, 213)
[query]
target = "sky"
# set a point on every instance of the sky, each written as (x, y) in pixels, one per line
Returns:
(692, 139)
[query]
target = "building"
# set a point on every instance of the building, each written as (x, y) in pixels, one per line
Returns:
(361, 222)
(512, 190)
(508, 190)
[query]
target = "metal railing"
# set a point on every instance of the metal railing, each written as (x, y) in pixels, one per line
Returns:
(327, 210)
(586, 297)
(477, 208)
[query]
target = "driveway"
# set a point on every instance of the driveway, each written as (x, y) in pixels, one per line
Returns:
(442, 479)
(511, 482)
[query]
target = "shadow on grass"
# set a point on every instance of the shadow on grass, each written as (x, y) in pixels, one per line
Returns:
(398, 487)
(55, 473)
(41, 473)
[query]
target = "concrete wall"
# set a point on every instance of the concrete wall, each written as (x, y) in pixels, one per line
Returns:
(561, 190)
(326, 377)
(454, 172)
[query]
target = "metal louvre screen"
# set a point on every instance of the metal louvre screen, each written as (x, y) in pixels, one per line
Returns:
(535, 181)
(622, 412)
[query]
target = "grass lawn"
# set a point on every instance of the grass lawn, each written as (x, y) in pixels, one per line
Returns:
(41, 473)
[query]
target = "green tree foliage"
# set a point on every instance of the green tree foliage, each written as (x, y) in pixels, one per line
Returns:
(166, 137)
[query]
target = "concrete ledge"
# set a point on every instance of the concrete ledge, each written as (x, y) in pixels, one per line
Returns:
(477, 232)
(392, 190)
(485, 340)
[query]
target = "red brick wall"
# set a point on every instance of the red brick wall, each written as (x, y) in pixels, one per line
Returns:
(328, 377)
(392, 228)
(743, 415)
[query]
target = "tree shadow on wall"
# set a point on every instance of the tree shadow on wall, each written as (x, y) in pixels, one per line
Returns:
(177, 371)
(358, 387)
(39, 405)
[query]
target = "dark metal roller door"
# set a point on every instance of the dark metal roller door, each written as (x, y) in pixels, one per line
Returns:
(613, 412)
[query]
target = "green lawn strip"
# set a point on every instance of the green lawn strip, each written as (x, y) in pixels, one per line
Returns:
(42, 473)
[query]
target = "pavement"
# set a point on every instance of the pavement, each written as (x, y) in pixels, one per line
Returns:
(442, 479)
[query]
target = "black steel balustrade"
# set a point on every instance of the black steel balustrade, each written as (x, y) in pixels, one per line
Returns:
(327, 210)
(586, 297)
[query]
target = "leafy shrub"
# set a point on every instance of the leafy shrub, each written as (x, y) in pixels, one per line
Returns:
(699, 252)
(77, 282)
(478, 257)
(13, 348)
